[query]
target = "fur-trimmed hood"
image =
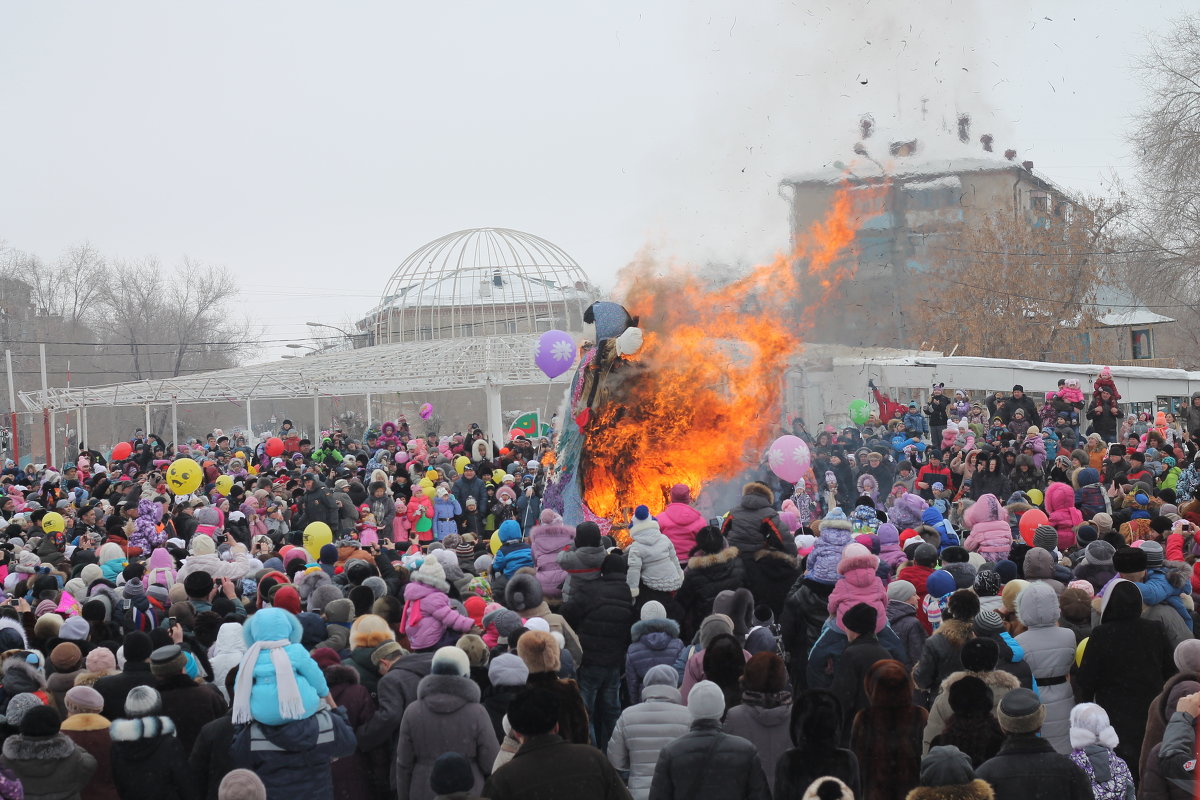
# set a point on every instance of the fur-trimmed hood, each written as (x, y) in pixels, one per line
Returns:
(13, 625)
(708, 560)
(754, 488)
(309, 581)
(21, 748)
(975, 790)
(647, 626)
(995, 679)
(133, 730)
(341, 675)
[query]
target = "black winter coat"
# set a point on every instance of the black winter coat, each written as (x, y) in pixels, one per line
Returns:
(210, 760)
(706, 576)
(318, 505)
(710, 763)
(148, 762)
(190, 706)
(850, 674)
(1028, 768)
(114, 688)
(797, 769)
(804, 614)
(601, 613)
(496, 701)
(547, 768)
(770, 575)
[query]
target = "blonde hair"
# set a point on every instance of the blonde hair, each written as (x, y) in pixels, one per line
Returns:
(370, 630)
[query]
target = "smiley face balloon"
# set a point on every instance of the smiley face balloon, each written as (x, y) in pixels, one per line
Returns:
(183, 476)
(224, 484)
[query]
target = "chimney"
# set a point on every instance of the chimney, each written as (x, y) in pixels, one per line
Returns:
(986, 141)
(964, 128)
(1010, 154)
(1028, 165)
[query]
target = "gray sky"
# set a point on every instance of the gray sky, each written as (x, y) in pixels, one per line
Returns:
(310, 146)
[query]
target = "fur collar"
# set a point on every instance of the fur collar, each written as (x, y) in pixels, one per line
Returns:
(22, 748)
(975, 790)
(712, 560)
(775, 555)
(957, 631)
(995, 679)
(131, 730)
(463, 688)
(645, 626)
(341, 674)
(85, 722)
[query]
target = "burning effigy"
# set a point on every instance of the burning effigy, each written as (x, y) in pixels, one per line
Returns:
(681, 381)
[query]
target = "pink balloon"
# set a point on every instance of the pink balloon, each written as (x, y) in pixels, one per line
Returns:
(401, 457)
(789, 458)
(426, 411)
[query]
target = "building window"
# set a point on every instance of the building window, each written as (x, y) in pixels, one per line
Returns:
(1140, 343)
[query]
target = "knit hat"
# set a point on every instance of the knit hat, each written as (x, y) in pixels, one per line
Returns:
(665, 675)
(328, 554)
(83, 700)
(241, 784)
(860, 619)
(713, 626)
(1187, 655)
(1085, 535)
(1155, 557)
(980, 654)
(1130, 559)
(1021, 712)
(988, 583)
(587, 534)
(388, 651)
(100, 659)
(1083, 586)
(431, 574)
(539, 651)
(1103, 522)
(926, 555)
(202, 543)
(287, 598)
(169, 660)
(946, 766)
(1007, 570)
(706, 701)
(990, 621)
(900, 590)
(19, 706)
(523, 592)
(1099, 553)
(1090, 725)
(940, 583)
(507, 669)
(138, 646)
(451, 774)
(450, 661)
(653, 610)
(1045, 536)
(40, 722)
(65, 657)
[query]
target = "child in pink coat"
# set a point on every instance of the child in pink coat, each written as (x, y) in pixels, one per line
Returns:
(858, 584)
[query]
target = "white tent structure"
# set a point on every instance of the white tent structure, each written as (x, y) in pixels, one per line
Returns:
(531, 284)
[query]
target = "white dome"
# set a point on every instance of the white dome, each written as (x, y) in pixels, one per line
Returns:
(482, 282)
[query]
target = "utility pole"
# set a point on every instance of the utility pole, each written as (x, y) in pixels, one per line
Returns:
(12, 405)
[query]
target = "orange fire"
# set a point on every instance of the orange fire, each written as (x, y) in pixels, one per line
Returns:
(702, 398)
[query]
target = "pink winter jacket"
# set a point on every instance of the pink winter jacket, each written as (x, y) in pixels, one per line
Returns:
(990, 536)
(680, 523)
(546, 542)
(427, 615)
(859, 584)
(1064, 516)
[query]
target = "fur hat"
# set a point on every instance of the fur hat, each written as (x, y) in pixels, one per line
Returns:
(322, 596)
(706, 701)
(1021, 712)
(450, 661)
(1129, 559)
(539, 651)
(507, 669)
(860, 619)
(963, 605)
(1090, 725)
(523, 592)
(40, 722)
(474, 647)
(981, 653)
(587, 534)
(166, 661)
(451, 775)
(765, 672)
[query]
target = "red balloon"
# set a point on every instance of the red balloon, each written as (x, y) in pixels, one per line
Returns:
(503, 451)
(122, 451)
(1029, 523)
(274, 446)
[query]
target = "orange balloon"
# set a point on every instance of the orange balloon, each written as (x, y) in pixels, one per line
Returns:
(1029, 523)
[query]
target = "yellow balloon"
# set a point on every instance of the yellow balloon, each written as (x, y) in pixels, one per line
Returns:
(425, 483)
(494, 543)
(1079, 651)
(460, 464)
(429, 491)
(1036, 496)
(432, 474)
(224, 484)
(184, 476)
(252, 469)
(54, 523)
(316, 536)
(239, 454)
(498, 476)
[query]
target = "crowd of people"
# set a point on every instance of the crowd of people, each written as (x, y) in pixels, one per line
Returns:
(408, 616)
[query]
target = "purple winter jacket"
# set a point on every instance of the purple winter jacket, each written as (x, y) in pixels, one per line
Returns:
(427, 615)
(547, 541)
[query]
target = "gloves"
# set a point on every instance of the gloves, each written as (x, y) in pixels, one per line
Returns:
(634, 592)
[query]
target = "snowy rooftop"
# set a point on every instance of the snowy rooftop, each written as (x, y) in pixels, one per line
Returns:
(1131, 316)
(905, 168)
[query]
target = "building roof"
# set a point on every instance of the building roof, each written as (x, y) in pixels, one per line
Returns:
(1131, 316)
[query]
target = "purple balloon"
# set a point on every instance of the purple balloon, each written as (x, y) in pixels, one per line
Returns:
(555, 353)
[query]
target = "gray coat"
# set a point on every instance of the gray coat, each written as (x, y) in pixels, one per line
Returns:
(765, 728)
(707, 762)
(1050, 653)
(642, 731)
(581, 564)
(446, 717)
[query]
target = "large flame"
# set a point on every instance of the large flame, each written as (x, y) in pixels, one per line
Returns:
(702, 399)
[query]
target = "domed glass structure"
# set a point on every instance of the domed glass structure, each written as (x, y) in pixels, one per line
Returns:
(482, 282)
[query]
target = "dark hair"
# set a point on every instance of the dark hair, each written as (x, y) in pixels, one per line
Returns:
(816, 720)
(708, 540)
(533, 712)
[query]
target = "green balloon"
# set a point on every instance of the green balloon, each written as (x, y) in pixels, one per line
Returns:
(860, 412)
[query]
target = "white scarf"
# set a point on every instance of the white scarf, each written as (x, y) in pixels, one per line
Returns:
(291, 705)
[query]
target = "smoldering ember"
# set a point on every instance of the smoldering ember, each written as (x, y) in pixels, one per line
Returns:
(787, 401)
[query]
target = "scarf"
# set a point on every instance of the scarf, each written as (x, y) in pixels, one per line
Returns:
(291, 705)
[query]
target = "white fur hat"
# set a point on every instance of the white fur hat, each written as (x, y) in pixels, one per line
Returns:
(1089, 725)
